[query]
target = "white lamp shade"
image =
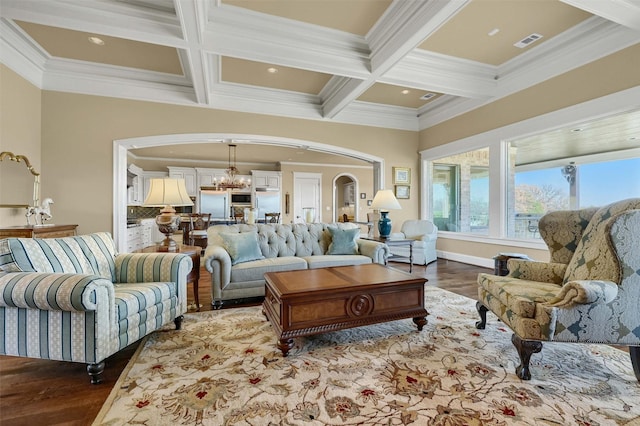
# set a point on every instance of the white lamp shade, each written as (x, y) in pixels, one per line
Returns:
(167, 192)
(385, 200)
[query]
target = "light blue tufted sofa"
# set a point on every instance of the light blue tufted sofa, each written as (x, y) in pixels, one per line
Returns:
(285, 247)
(76, 299)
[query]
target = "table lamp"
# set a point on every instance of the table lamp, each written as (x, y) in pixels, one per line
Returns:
(166, 193)
(385, 201)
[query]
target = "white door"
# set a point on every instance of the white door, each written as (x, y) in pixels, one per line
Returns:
(307, 194)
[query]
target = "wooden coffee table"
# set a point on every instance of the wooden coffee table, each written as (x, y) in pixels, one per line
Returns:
(313, 301)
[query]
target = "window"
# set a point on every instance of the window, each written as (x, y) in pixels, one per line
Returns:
(499, 186)
(461, 192)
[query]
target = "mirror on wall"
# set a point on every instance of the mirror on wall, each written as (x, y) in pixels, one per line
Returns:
(19, 182)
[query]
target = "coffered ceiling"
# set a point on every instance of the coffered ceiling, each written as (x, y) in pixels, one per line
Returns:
(404, 64)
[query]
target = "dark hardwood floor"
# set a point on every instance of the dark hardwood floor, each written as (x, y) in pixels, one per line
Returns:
(35, 392)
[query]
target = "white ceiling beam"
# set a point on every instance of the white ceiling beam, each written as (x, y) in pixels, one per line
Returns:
(435, 72)
(404, 26)
(245, 34)
(115, 19)
(623, 12)
(192, 15)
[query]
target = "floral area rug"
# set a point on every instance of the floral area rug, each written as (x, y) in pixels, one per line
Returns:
(223, 368)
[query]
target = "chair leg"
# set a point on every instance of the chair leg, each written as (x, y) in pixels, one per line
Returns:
(525, 349)
(95, 372)
(634, 352)
(178, 322)
(482, 310)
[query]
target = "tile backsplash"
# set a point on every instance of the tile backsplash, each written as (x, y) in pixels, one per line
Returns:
(139, 212)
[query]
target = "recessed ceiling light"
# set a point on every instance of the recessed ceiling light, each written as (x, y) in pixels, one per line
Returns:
(272, 70)
(96, 40)
(405, 92)
(577, 129)
(633, 138)
(494, 32)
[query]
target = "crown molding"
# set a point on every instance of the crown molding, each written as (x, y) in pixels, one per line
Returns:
(21, 54)
(93, 16)
(593, 39)
(623, 12)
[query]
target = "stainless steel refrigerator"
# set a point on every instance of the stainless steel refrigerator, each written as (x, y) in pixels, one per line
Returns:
(216, 203)
(267, 202)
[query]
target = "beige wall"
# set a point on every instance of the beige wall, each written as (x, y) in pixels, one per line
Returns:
(608, 75)
(329, 173)
(78, 133)
(20, 120)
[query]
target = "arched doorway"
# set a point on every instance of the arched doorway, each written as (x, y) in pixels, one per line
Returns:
(345, 200)
(120, 148)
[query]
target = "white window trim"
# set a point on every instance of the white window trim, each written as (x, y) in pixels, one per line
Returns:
(497, 140)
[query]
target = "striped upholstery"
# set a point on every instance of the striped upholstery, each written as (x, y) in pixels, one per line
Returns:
(76, 299)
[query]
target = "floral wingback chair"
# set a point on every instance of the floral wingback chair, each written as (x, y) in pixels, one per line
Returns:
(588, 293)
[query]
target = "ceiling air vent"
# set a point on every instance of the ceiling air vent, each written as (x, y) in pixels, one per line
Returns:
(427, 96)
(528, 40)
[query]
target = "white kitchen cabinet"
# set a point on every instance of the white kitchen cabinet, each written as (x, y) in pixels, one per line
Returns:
(134, 238)
(189, 175)
(266, 179)
(135, 185)
(147, 231)
(206, 176)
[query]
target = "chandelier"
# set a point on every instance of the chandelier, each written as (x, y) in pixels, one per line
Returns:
(231, 181)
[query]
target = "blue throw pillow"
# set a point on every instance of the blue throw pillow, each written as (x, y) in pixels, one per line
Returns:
(343, 241)
(242, 247)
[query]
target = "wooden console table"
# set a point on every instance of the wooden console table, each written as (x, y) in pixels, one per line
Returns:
(194, 275)
(38, 231)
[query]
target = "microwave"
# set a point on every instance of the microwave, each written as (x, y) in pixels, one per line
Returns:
(241, 198)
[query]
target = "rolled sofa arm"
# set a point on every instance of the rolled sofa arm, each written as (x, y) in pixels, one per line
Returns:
(378, 252)
(584, 292)
(218, 262)
(153, 267)
(54, 291)
(536, 271)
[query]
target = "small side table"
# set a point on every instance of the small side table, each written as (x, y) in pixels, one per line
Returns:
(194, 275)
(501, 259)
(396, 243)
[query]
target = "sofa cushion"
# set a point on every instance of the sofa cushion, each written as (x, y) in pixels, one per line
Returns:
(327, 261)
(343, 241)
(242, 247)
(518, 296)
(254, 271)
(85, 254)
(594, 258)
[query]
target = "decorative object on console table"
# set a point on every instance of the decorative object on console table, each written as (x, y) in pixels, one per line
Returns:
(194, 275)
(309, 214)
(401, 176)
(167, 193)
(385, 201)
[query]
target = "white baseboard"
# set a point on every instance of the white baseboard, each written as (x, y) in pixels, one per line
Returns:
(471, 260)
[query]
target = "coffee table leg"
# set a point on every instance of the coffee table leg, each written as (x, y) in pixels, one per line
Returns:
(285, 345)
(420, 322)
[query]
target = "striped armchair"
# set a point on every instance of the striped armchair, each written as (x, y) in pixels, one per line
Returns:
(75, 299)
(588, 293)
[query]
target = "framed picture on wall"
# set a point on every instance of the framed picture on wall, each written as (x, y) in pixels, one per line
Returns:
(401, 176)
(403, 192)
